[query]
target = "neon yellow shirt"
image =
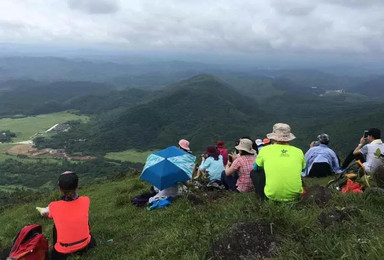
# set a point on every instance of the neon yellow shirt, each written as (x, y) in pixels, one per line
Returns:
(283, 165)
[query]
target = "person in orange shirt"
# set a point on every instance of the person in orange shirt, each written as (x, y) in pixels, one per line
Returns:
(71, 231)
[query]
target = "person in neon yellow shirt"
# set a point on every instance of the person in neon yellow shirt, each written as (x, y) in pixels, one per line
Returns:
(282, 164)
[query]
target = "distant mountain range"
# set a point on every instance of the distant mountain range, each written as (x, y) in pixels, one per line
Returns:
(133, 73)
(372, 88)
(161, 108)
(204, 109)
(31, 97)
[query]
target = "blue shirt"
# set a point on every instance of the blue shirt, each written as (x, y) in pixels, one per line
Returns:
(213, 167)
(320, 154)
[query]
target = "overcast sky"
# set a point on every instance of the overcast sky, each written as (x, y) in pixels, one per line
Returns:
(243, 27)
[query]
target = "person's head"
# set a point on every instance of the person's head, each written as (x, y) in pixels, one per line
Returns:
(211, 151)
(373, 134)
(184, 145)
(245, 147)
(220, 144)
(266, 141)
(68, 182)
(259, 142)
(323, 138)
(281, 133)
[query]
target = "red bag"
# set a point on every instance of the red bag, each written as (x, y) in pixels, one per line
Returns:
(29, 244)
(352, 187)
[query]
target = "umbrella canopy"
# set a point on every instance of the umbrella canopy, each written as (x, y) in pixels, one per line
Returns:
(167, 167)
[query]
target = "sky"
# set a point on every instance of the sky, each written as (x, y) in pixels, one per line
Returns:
(242, 28)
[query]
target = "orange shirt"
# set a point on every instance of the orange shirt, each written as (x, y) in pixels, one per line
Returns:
(71, 221)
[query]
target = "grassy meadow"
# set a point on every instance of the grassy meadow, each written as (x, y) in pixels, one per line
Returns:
(26, 127)
(129, 155)
(192, 225)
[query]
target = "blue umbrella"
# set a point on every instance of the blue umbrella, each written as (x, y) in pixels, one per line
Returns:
(167, 167)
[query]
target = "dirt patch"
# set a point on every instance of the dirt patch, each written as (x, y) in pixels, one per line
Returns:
(200, 198)
(246, 240)
(24, 149)
(318, 195)
(195, 199)
(327, 218)
(216, 194)
(29, 150)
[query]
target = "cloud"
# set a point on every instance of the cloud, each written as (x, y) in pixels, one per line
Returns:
(94, 6)
(293, 8)
(246, 27)
(358, 4)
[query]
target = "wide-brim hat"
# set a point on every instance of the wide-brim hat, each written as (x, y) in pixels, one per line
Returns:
(212, 151)
(184, 144)
(245, 145)
(281, 132)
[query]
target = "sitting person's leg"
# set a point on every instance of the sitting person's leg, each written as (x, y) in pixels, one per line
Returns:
(320, 170)
(258, 180)
(351, 157)
(229, 181)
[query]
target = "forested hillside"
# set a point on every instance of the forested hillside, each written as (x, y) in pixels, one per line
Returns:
(204, 109)
(201, 109)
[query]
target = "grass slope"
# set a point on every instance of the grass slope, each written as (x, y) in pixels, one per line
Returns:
(187, 230)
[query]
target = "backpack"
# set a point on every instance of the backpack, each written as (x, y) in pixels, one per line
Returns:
(142, 199)
(353, 173)
(29, 244)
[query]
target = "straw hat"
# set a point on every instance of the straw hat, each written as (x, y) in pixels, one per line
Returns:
(281, 132)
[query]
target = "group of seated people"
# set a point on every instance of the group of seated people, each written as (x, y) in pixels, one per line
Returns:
(275, 171)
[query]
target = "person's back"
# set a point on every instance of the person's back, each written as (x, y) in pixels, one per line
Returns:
(71, 232)
(282, 165)
(321, 160)
(71, 222)
(375, 144)
(213, 167)
(220, 145)
(372, 161)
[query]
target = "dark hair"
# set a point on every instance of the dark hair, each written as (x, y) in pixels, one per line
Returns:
(242, 152)
(216, 157)
(375, 133)
(68, 181)
(323, 138)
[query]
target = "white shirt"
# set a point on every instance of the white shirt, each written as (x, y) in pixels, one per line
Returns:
(371, 160)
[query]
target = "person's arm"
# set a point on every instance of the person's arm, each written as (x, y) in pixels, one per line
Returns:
(231, 167)
(358, 148)
(335, 163)
(204, 164)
